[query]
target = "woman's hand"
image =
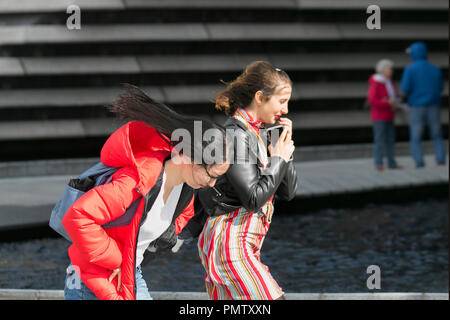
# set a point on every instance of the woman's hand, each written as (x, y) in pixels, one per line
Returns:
(117, 272)
(392, 104)
(288, 124)
(284, 146)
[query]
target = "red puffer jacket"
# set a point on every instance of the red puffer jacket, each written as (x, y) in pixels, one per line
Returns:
(380, 109)
(139, 151)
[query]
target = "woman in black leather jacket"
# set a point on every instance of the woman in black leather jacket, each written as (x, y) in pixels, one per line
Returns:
(238, 209)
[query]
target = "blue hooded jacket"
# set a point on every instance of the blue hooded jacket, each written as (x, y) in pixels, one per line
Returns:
(421, 81)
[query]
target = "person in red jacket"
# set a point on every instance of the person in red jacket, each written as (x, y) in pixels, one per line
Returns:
(153, 175)
(382, 97)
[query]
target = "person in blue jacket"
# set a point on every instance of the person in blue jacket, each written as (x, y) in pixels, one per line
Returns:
(422, 83)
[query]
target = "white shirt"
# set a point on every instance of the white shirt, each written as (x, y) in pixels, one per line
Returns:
(158, 219)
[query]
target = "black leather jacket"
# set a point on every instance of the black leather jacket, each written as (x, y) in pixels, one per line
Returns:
(244, 185)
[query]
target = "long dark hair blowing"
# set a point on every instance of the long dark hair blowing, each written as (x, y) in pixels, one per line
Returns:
(134, 104)
(257, 76)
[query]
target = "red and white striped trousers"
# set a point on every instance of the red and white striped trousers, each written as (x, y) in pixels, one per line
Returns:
(229, 248)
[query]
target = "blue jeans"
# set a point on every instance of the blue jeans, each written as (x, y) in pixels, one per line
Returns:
(75, 289)
(419, 116)
(384, 136)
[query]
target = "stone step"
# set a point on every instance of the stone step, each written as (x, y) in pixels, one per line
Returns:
(50, 97)
(34, 6)
(45, 97)
(81, 128)
(201, 32)
(200, 63)
(40, 6)
(404, 5)
(74, 166)
(352, 151)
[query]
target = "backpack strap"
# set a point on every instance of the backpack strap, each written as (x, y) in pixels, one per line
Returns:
(128, 215)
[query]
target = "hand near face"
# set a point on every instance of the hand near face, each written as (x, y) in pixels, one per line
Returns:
(284, 147)
(288, 124)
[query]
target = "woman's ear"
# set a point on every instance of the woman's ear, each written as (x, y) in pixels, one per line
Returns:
(180, 158)
(259, 97)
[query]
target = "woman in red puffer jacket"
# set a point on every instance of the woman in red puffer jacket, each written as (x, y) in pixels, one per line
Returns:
(382, 97)
(158, 178)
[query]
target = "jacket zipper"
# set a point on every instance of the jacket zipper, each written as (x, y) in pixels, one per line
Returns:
(143, 217)
(230, 207)
(217, 191)
(136, 241)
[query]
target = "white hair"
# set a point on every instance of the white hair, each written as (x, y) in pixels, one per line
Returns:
(383, 65)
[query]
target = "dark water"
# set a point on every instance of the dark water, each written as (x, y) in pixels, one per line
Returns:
(326, 251)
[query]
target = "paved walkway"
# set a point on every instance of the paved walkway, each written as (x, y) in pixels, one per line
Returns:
(28, 294)
(320, 178)
(29, 200)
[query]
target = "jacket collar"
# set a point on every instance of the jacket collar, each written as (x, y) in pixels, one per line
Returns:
(234, 122)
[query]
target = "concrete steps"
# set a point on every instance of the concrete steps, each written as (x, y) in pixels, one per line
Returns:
(56, 81)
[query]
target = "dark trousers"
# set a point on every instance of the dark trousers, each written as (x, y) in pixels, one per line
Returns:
(384, 138)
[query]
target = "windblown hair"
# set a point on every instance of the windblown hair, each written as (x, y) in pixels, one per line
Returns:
(134, 104)
(257, 76)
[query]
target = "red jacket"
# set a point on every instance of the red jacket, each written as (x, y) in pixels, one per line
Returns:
(378, 97)
(139, 152)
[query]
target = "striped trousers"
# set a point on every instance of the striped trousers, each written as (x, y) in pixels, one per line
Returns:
(229, 248)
